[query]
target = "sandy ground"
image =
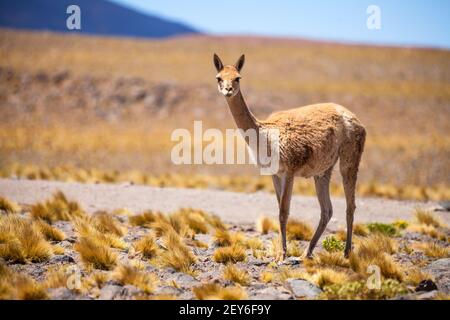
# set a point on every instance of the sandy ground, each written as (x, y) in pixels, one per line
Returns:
(237, 208)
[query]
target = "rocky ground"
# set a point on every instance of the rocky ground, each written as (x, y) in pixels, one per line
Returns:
(418, 251)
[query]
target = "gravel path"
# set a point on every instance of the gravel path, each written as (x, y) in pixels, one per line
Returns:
(230, 206)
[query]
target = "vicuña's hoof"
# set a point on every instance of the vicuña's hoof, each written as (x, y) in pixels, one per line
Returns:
(309, 255)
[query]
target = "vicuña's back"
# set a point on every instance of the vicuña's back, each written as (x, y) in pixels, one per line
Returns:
(311, 136)
(311, 139)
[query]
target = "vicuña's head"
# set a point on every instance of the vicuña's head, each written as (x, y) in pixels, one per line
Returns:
(228, 77)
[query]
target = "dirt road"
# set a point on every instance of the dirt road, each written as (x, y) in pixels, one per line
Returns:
(230, 206)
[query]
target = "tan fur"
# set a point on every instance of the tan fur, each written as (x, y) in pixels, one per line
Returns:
(312, 139)
(311, 136)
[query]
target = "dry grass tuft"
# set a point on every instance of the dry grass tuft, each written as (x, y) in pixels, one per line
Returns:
(232, 273)
(264, 225)
(144, 219)
(48, 231)
(58, 250)
(329, 259)
(57, 277)
(107, 223)
(434, 250)
(194, 219)
(428, 230)
(126, 274)
(213, 220)
(174, 223)
(297, 230)
(294, 249)
(28, 289)
(177, 255)
(57, 208)
(96, 279)
(20, 241)
(282, 274)
(213, 291)
(14, 285)
(222, 238)
(360, 230)
(427, 218)
(326, 277)
(254, 244)
(287, 272)
(234, 253)
(414, 276)
(95, 253)
(9, 206)
(88, 228)
(377, 243)
(341, 235)
(358, 290)
(147, 246)
(275, 249)
(267, 276)
(374, 250)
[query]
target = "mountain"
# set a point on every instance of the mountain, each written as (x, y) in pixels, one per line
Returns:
(99, 17)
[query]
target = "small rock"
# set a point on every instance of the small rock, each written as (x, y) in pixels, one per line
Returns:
(168, 290)
(129, 291)
(440, 269)
(109, 292)
(183, 280)
(302, 288)
(418, 296)
(428, 295)
(293, 260)
(65, 294)
(426, 285)
(269, 293)
(62, 259)
(257, 262)
(443, 206)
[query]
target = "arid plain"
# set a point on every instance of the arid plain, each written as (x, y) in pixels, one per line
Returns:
(101, 110)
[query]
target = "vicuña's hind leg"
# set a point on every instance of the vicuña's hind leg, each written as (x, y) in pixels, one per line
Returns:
(350, 157)
(349, 180)
(326, 210)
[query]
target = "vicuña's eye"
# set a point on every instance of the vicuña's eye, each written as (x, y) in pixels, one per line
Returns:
(237, 79)
(219, 79)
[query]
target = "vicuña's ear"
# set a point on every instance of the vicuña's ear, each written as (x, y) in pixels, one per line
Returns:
(240, 63)
(218, 63)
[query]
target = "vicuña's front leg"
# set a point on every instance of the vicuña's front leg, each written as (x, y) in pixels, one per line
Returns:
(326, 210)
(277, 186)
(285, 202)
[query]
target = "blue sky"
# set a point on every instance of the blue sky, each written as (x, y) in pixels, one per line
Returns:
(403, 22)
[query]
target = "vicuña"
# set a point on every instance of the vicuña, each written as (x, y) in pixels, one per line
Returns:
(312, 139)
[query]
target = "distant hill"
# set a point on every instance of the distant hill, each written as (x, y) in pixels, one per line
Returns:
(97, 17)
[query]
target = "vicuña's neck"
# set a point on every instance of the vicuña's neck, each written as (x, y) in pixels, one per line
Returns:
(242, 115)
